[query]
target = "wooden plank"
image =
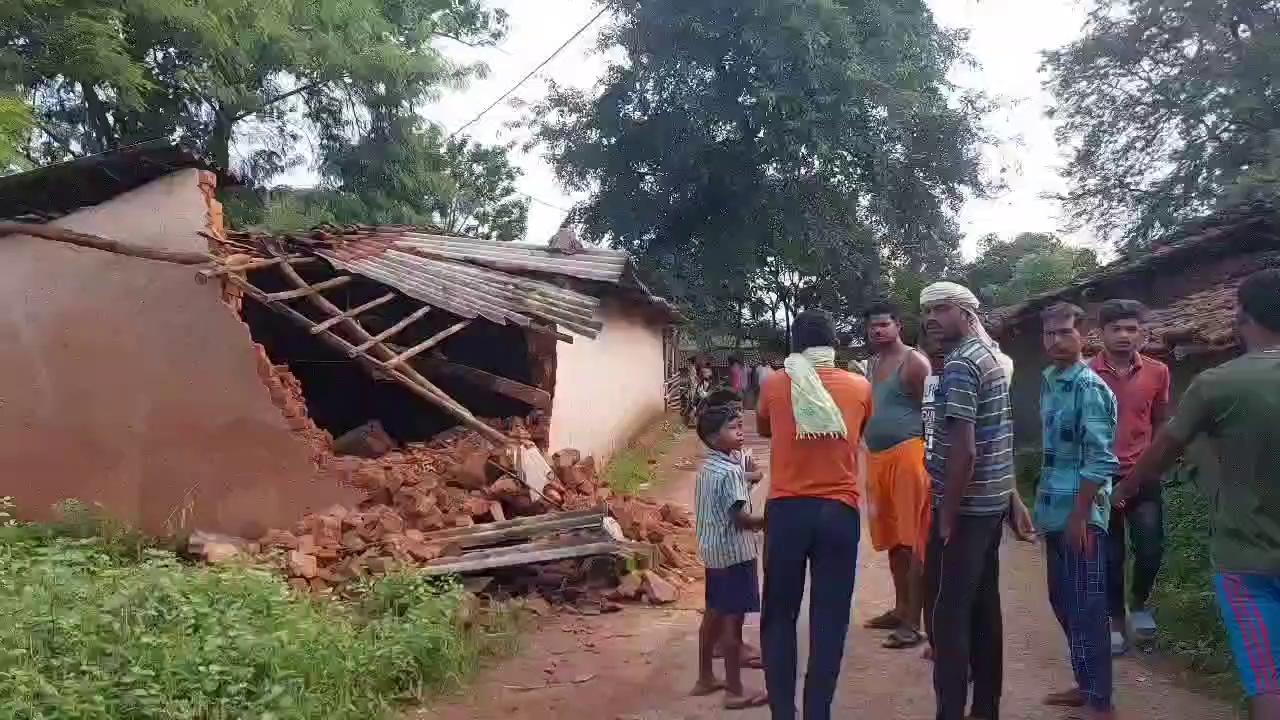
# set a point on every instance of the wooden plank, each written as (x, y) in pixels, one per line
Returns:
(535, 397)
(518, 529)
(517, 559)
(427, 344)
(352, 313)
(311, 289)
(408, 320)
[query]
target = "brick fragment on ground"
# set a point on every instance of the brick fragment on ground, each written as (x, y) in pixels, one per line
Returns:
(302, 565)
(657, 590)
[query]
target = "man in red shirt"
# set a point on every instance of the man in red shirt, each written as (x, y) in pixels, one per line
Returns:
(1141, 387)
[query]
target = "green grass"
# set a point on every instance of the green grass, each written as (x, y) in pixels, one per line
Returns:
(631, 470)
(1190, 627)
(99, 628)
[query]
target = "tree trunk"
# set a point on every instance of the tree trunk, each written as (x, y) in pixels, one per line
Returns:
(100, 130)
(219, 144)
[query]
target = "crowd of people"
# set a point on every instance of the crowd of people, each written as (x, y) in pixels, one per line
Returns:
(929, 432)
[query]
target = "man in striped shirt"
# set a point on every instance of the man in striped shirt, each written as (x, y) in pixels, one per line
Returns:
(726, 530)
(970, 463)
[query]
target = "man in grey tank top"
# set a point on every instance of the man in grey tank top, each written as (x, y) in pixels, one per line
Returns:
(897, 484)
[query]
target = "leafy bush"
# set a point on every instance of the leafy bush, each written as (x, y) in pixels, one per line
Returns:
(1190, 626)
(89, 634)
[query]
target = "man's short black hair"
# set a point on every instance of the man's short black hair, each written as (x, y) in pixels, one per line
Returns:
(882, 307)
(1259, 298)
(812, 328)
(722, 397)
(1119, 309)
(712, 421)
(1063, 311)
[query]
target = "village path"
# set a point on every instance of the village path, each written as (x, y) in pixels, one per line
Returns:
(640, 663)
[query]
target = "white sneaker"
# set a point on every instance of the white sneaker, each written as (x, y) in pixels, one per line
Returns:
(1119, 645)
(1143, 624)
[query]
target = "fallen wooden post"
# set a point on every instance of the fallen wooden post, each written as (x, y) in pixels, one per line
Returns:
(408, 320)
(321, 327)
(310, 289)
(427, 344)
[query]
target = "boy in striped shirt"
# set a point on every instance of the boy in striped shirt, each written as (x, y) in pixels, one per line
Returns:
(727, 547)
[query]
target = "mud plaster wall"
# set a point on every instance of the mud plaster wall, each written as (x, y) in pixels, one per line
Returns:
(608, 388)
(129, 385)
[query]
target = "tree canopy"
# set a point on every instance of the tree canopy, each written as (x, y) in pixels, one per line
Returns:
(261, 76)
(1010, 271)
(784, 153)
(1170, 107)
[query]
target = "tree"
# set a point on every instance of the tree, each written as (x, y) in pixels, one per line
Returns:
(1170, 106)
(15, 124)
(105, 73)
(784, 152)
(420, 179)
(1010, 271)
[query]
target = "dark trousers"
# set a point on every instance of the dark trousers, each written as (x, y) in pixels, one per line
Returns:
(1144, 516)
(822, 536)
(1078, 594)
(962, 616)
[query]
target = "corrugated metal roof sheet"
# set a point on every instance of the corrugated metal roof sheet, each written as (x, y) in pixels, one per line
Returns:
(498, 281)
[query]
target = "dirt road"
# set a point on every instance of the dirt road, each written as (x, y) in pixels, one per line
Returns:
(639, 664)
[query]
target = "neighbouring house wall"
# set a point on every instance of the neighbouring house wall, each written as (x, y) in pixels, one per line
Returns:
(609, 388)
(127, 384)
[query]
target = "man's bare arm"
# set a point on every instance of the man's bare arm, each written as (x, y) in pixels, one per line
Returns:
(1164, 451)
(914, 375)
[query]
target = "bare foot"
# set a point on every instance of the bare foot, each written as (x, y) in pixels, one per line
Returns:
(748, 699)
(1067, 698)
(706, 686)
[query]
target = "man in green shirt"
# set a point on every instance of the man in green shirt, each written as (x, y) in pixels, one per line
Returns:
(1235, 407)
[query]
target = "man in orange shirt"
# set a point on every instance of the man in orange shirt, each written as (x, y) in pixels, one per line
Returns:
(814, 415)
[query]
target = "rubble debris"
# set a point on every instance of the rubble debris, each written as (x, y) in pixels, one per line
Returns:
(460, 503)
(370, 440)
(657, 590)
(215, 548)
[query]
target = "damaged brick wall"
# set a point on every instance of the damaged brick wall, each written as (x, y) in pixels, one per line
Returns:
(137, 388)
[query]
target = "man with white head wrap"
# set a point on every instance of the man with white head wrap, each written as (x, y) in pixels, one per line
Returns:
(970, 463)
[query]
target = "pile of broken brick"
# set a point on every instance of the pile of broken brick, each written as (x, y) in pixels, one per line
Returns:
(504, 517)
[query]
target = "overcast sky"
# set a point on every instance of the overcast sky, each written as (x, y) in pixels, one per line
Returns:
(1006, 38)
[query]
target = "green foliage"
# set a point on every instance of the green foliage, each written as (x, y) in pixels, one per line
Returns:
(1167, 104)
(89, 635)
(770, 154)
(15, 124)
(1190, 626)
(109, 72)
(1010, 271)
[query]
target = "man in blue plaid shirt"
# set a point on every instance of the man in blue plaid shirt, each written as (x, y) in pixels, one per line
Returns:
(1078, 416)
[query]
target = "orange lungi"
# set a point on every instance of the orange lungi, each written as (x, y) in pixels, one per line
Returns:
(898, 496)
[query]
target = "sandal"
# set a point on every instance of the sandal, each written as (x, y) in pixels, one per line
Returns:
(1072, 698)
(701, 689)
(903, 637)
(888, 620)
(755, 698)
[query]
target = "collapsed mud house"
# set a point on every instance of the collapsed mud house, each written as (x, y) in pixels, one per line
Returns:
(176, 404)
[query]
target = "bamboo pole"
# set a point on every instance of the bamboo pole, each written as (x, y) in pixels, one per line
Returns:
(427, 344)
(352, 313)
(117, 247)
(408, 320)
(382, 353)
(310, 289)
(375, 367)
(205, 275)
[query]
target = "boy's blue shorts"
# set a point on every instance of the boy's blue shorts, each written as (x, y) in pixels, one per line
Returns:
(1250, 607)
(734, 590)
